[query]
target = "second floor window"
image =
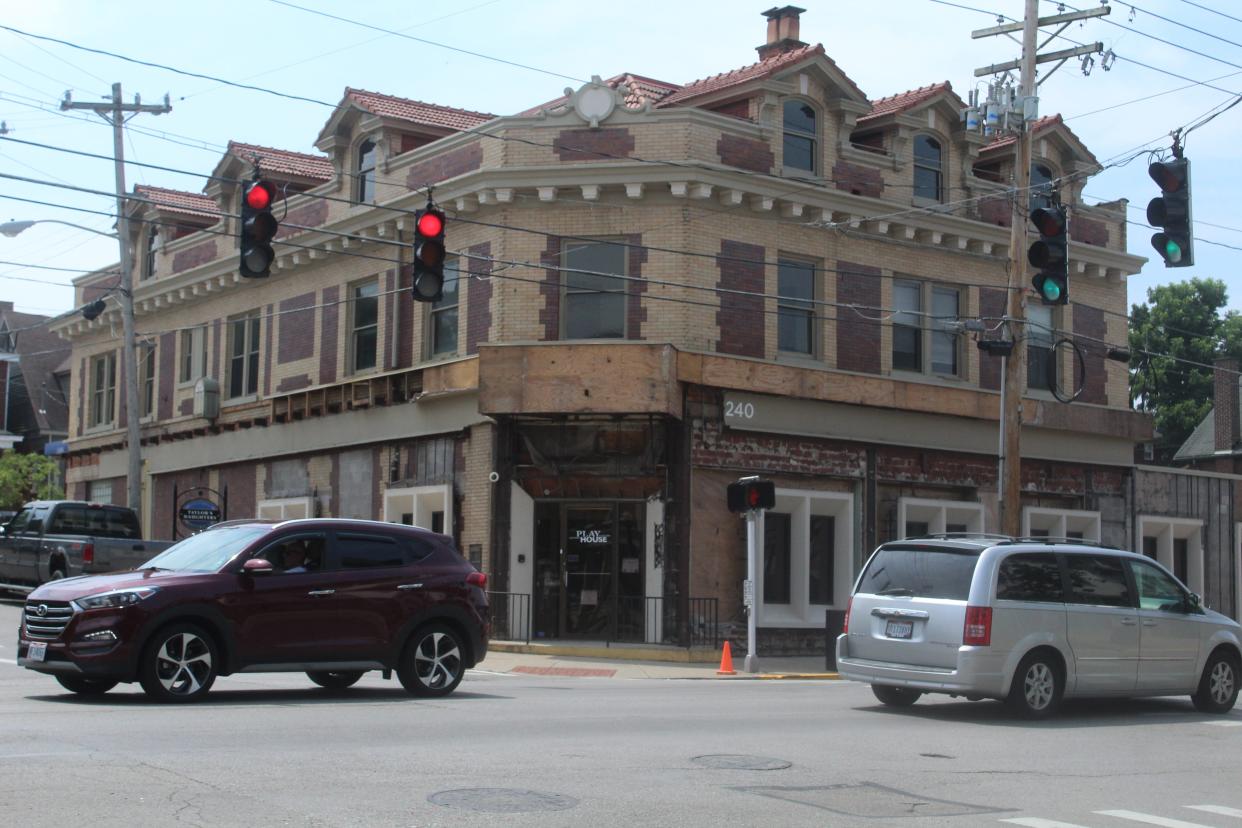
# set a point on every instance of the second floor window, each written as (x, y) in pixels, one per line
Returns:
(927, 168)
(146, 376)
(800, 136)
(442, 327)
(244, 355)
(363, 325)
(924, 341)
(364, 182)
(1041, 368)
(594, 302)
(796, 307)
(103, 390)
(193, 354)
(153, 246)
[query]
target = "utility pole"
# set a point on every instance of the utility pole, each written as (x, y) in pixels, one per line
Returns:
(1013, 370)
(114, 112)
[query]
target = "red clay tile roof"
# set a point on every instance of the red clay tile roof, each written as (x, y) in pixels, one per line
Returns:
(286, 162)
(641, 91)
(904, 101)
(1007, 140)
(735, 77)
(388, 106)
(177, 201)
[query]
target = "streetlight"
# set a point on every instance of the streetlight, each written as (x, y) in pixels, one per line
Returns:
(129, 353)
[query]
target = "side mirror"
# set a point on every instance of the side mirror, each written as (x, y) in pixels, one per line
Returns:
(257, 566)
(1195, 602)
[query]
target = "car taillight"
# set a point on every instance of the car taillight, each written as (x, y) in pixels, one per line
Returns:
(478, 579)
(88, 553)
(845, 627)
(978, 628)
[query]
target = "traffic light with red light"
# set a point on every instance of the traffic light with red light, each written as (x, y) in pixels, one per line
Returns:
(1171, 212)
(1051, 255)
(429, 254)
(258, 228)
(751, 493)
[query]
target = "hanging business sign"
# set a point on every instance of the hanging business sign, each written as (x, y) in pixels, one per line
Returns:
(199, 509)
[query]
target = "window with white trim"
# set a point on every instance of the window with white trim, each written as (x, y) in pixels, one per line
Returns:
(244, 355)
(806, 560)
(928, 169)
(593, 303)
(442, 314)
(1177, 544)
(146, 379)
(363, 325)
(1040, 522)
(797, 290)
(1041, 364)
(926, 343)
(919, 517)
(430, 507)
(364, 173)
(285, 508)
(99, 491)
(193, 354)
(801, 135)
(102, 390)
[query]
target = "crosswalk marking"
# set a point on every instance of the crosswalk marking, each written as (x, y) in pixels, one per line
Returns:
(1036, 822)
(1224, 724)
(1221, 810)
(1149, 819)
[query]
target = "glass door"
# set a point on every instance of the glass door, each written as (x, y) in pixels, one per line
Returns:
(589, 570)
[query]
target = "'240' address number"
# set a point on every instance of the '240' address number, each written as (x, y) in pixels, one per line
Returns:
(740, 409)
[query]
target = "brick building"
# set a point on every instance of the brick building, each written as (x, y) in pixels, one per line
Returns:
(662, 287)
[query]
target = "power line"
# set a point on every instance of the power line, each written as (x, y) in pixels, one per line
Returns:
(1212, 10)
(1183, 25)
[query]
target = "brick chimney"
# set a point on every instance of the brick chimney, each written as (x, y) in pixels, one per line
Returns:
(1225, 403)
(782, 31)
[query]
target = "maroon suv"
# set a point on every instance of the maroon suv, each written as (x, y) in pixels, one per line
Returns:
(333, 598)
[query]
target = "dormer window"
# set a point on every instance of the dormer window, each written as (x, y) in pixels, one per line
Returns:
(364, 173)
(800, 136)
(148, 262)
(6, 339)
(927, 169)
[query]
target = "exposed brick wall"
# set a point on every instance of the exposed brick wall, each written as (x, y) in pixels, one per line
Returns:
(199, 254)
(745, 153)
(163, 507)
(445, 166)
(293, 383)
(478, 296)
(736, 109)
(328, 336)
(297, 329)
(1089, 322)
(895, 464)
(635, 313)
(239, 481)
(311, 214)
(167, 375)
(857, 179)
(550, 290)
(996, 211)
(1088, 231)
(410, 142)
(858, 339)
(714, 446)
(1225, 404)
(593, 144)
(740, 318)
(991, 307)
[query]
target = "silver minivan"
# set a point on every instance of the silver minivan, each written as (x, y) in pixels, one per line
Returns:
(1032, 622)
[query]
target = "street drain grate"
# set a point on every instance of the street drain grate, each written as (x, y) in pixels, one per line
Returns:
(737, 761)
(869, 801)
(502, 800)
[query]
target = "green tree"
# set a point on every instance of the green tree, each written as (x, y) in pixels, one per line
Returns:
(1180, 321)
(25, 477)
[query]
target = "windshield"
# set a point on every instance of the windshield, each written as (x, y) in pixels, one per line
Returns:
(207, 551)
(922, 573)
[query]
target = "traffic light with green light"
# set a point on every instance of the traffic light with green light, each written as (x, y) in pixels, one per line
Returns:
(1171, 212)
(1051, 255)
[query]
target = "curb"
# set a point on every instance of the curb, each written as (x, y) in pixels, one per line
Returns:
(678, 655)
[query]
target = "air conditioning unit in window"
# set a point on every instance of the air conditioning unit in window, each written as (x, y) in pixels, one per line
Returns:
(207, 398)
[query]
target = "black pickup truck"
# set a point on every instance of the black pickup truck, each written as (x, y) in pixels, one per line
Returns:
(52, 539)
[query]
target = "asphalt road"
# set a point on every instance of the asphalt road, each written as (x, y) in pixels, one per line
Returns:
(272, 750)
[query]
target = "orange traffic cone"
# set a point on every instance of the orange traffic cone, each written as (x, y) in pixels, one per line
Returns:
(726, 662)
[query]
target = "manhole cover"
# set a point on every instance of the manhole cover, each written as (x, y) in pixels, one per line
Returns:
(502, 800)
(738, 761)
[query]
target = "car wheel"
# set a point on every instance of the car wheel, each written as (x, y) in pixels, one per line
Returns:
(432, 664)
(1218, 687)
(1037, 687)
(85, 686)
(179, 664)
(335, 680)
(895, 696)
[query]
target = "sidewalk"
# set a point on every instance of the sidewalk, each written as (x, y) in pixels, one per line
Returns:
(639, 663)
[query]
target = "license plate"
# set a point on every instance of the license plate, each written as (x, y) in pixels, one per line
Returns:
(899, 629)
(37, 651)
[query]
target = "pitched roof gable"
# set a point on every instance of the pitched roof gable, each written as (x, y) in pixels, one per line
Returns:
(178, 201)
(906, 101)
(418, 112)
(284, 162)
(1048, 122)
(642, 90)
(758, 71)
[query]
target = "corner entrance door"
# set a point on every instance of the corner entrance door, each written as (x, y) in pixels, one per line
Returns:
(588, 569)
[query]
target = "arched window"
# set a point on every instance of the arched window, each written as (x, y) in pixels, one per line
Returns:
(927, 168)
(364, 173)
(800, 136)
(1041, 186)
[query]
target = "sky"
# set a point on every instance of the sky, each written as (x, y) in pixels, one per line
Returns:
(887, 46)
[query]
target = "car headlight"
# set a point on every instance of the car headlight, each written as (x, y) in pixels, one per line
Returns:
(118, 598)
